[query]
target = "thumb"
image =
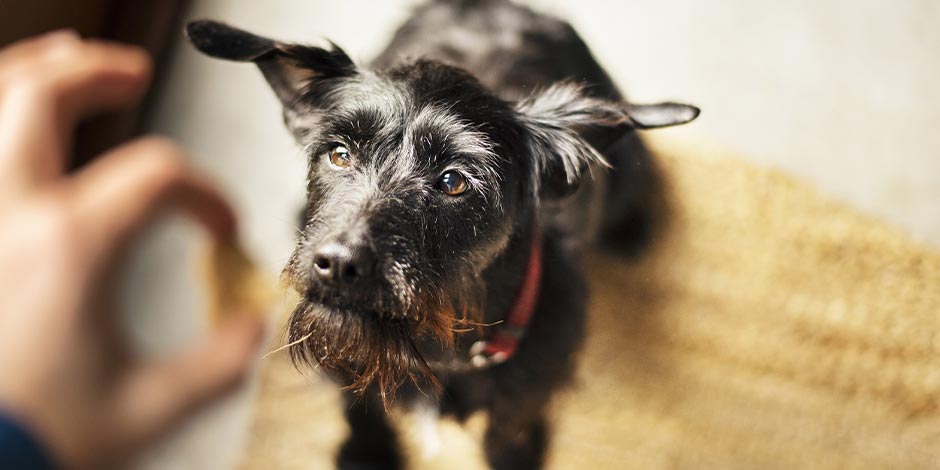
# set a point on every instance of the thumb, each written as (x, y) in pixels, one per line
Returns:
(156, 396)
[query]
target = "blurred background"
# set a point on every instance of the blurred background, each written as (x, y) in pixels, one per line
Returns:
(842, 95)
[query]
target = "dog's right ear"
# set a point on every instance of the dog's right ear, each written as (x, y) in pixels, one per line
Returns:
(288, 68)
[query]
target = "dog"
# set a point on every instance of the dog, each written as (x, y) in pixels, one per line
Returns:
(453, 186)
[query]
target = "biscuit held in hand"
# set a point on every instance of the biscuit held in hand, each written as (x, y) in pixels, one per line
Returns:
(233, 282)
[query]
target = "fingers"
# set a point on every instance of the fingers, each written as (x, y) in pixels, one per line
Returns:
(31, 47)
(46, 86)
(158, 395)
(123, 190)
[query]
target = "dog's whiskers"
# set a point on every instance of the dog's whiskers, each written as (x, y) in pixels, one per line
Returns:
(292, 343)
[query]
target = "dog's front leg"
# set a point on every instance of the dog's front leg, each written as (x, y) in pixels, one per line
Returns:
(372, 443)
(515, 440)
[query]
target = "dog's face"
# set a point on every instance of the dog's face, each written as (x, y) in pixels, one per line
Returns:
(418, 179)
(410, 197)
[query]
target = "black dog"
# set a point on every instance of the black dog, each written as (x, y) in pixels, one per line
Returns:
(450, 194)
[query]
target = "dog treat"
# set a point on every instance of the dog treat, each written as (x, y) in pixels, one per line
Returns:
(233, 283)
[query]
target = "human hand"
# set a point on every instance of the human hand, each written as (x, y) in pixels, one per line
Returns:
(66, 371)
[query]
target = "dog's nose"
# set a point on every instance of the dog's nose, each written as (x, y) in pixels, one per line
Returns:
(343, 263)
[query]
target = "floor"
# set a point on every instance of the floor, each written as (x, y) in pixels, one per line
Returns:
(779, 330)
(843, 97)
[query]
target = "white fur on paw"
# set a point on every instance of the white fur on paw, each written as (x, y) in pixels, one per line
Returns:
(426, 416)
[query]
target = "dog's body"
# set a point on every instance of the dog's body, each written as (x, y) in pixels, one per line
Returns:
(439, 200)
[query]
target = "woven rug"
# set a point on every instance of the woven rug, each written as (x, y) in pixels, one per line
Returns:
(769, 327)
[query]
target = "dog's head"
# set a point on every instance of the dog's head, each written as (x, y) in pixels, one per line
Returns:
(418, 179)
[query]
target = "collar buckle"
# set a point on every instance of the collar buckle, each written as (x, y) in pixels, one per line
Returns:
(482, 355)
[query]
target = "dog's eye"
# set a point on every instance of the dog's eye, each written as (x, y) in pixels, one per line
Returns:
(339, 157)
(452, 183)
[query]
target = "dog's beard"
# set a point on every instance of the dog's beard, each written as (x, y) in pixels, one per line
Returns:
(363, 348)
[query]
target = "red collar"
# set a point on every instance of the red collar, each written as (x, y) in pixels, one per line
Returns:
(504, 340)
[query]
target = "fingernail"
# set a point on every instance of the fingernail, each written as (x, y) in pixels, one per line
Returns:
(65, 34)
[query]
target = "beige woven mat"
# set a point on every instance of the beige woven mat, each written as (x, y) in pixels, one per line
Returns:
(769, 328)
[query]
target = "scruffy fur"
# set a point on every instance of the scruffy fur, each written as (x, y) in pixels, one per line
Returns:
(513, 102)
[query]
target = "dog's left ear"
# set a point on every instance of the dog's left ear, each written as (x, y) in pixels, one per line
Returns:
(288, 68)
(569, 129)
